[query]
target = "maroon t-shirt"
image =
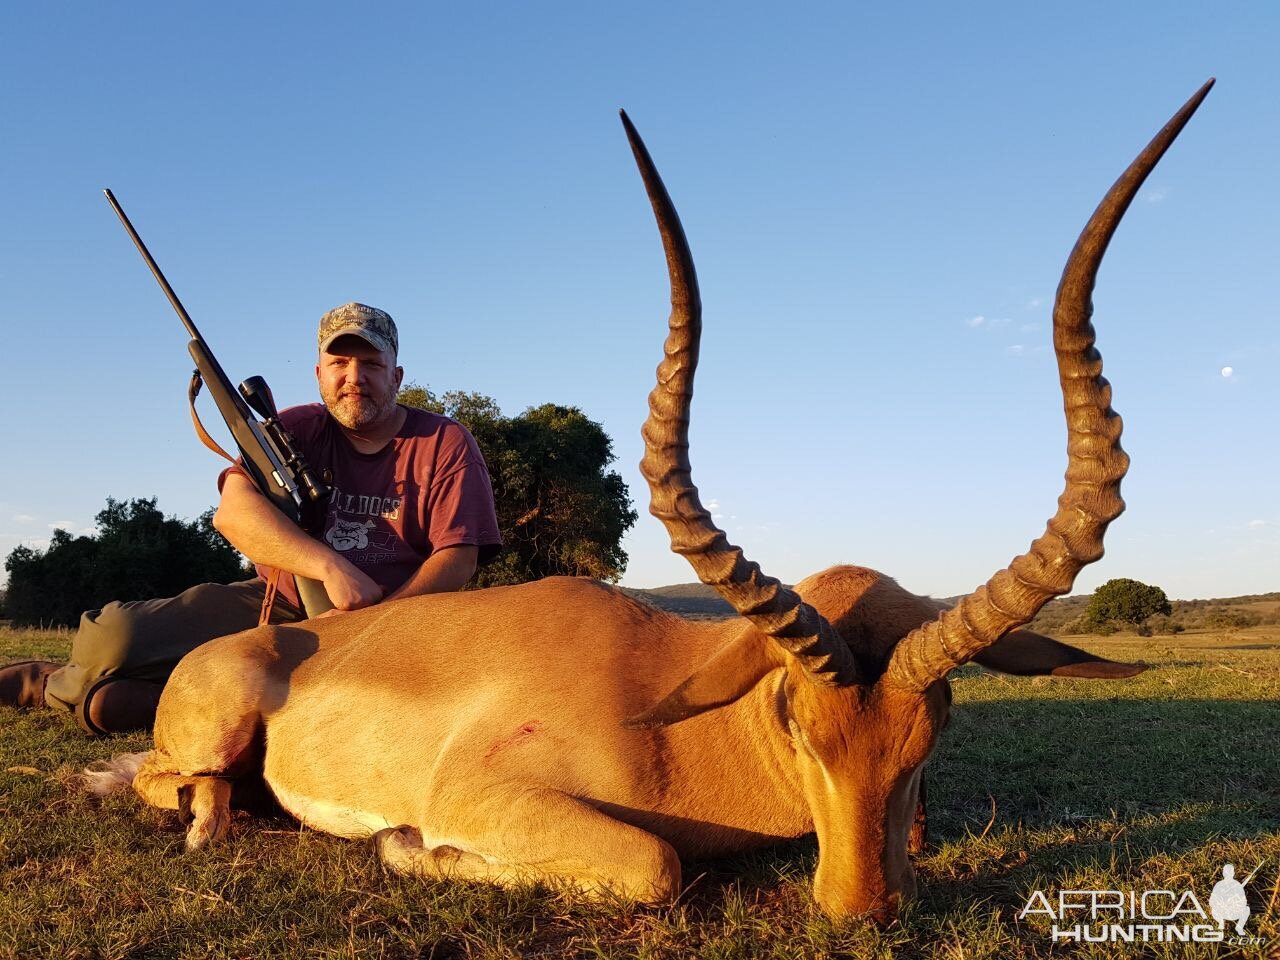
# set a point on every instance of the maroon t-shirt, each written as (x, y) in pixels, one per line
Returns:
(427, 489)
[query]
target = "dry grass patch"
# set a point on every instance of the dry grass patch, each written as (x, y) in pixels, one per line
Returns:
(1150, 783)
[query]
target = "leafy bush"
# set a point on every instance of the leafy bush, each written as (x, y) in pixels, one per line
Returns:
(1126, 601)
(137, 554)
(559, 510)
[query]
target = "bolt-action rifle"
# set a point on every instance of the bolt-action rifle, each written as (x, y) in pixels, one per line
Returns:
(268, 453)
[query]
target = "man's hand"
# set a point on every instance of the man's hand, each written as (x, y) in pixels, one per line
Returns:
(350, 588)
(264, 535)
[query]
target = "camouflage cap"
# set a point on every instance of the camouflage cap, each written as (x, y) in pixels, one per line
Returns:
(355, 319)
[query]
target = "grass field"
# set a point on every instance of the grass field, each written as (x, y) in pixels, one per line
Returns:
(1151, 783)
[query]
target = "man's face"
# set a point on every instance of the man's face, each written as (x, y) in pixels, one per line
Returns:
(358, 383)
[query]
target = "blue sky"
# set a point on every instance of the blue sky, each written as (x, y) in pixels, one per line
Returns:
(879, 197)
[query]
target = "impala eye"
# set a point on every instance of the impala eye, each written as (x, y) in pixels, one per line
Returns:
(798, 737)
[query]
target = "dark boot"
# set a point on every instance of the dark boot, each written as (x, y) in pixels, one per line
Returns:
(118, 705)
(22, 683)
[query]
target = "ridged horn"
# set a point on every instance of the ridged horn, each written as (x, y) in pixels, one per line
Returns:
(1095, 462)
(774, 610)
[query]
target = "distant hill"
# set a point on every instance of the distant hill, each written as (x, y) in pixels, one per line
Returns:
(697, 601)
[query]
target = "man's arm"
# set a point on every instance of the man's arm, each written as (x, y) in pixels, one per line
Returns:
(445, 570)
(264, 535)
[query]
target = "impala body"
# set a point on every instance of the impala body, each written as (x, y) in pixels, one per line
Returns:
(562, 731)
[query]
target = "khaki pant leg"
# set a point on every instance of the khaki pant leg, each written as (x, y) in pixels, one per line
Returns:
(145, 639)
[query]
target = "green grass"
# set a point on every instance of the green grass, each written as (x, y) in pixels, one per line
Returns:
(1151, 783)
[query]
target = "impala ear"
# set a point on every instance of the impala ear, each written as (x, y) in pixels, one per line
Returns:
(1027, 654)
(733, 670)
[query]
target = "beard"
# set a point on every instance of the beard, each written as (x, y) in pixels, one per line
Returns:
(359, 411)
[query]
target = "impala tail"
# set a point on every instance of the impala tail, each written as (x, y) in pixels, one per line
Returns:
(105, 777)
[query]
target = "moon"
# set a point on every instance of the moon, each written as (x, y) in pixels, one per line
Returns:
(1227, 372)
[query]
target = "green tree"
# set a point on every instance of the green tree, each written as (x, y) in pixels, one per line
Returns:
(1126, 601)
(137, 554)
(560, 510)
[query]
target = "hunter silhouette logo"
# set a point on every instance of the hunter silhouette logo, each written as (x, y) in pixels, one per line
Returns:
(1228, 901)
(1148, 916)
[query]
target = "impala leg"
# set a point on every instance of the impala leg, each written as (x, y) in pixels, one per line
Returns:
(549, 836)
(203, 803)
(208, 803)
(918, 839)
(201, 749)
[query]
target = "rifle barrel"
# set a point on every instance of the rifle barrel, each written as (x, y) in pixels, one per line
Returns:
(155, 269)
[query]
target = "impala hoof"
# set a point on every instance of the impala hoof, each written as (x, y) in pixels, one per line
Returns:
(395, 840)
(208, 828)
(205, 806)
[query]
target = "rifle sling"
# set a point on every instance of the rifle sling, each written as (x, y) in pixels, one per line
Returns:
(269, 598)
(193, 390)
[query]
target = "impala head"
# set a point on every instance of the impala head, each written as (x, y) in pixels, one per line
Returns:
(863, 662)
(860, 749)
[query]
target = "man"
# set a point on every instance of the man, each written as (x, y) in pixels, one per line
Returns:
(411, 513)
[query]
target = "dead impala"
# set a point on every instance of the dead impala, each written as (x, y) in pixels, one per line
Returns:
(562, 731)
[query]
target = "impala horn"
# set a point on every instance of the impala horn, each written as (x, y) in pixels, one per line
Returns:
(768, 605)
(1095, 462)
